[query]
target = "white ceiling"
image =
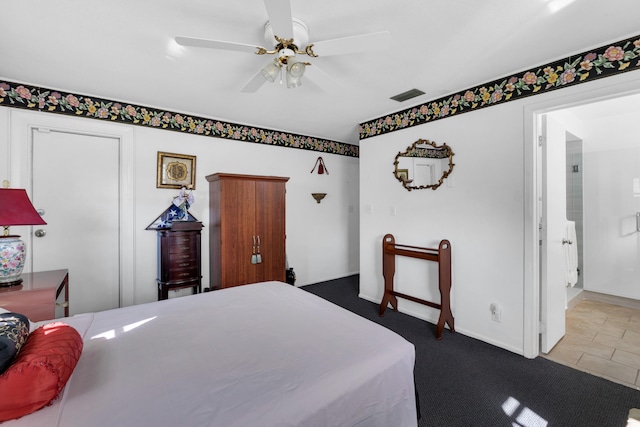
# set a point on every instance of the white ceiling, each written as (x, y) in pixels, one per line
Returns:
(124, 50)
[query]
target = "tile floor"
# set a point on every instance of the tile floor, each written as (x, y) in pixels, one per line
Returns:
(602, 338)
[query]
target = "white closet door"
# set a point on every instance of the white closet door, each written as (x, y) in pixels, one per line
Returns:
(75, 184)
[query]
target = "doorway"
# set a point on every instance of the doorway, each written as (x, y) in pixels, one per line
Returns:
(74, 186)
(611, 254)
(55, 173)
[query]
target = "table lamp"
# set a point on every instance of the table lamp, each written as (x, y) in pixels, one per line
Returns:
(15, 209)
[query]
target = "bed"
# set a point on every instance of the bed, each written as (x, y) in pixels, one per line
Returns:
(265, 354)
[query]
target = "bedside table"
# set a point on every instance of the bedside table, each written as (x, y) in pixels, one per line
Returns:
(42, 295)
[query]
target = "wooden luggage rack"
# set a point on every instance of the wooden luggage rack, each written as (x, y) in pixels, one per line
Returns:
(442, 256)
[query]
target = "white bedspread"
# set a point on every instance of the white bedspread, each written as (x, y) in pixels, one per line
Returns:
(266, 354)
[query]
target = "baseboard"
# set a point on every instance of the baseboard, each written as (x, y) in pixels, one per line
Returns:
(329, 279)
(434, 320)
(494, 343)
(609, 299)
(575, 300)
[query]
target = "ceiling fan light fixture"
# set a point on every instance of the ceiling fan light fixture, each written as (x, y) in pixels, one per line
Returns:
(295, 71)
(295, 68)
(271, 71)
(293, 81)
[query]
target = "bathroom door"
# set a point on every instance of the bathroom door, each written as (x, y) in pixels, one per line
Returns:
(75, 181)
(553, 291)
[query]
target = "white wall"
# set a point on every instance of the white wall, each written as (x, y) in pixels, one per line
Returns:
(488, 215)
(322, 239)
(478, 215)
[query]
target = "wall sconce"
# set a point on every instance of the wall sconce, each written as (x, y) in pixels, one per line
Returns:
(318, 196)
(322, 168)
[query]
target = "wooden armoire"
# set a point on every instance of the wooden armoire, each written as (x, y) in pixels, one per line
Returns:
(247, 229)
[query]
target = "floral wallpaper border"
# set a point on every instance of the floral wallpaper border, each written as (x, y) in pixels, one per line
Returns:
(20, 95)
(602, 62)
(597, 63)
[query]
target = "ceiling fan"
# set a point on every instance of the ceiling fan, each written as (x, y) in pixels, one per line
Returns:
(288, 38)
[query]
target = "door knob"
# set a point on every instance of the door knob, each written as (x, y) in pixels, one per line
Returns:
(40, 232)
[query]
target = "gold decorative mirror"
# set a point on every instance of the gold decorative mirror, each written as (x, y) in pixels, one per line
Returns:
(423, 165)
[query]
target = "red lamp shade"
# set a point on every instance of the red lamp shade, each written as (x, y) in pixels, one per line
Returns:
(16, 208)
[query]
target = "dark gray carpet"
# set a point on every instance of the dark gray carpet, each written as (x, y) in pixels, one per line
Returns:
(462, 381)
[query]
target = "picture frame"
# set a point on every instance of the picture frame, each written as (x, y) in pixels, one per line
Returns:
(402, 174)
(176, 171)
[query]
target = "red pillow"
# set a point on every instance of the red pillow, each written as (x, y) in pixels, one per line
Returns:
(40, 370)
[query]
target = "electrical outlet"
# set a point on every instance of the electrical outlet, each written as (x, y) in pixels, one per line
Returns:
(496, 312)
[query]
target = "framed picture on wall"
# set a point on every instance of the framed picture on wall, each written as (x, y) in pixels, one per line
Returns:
(402, 174)
(176, 171)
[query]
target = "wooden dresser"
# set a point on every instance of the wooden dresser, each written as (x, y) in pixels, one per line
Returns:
(247, 235)
(41, 296)
(179, 258)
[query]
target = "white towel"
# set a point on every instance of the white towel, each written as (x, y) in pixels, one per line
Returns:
(571, 254)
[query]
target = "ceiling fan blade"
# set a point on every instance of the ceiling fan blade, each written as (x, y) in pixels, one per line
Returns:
(254, 84)
(322, 79)
(216, 44)
(354, 44)
(280, 17)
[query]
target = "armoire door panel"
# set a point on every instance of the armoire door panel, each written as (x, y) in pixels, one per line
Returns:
(238, 203)
(270, 224)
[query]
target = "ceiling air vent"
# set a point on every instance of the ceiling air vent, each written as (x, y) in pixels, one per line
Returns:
(401, 97)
